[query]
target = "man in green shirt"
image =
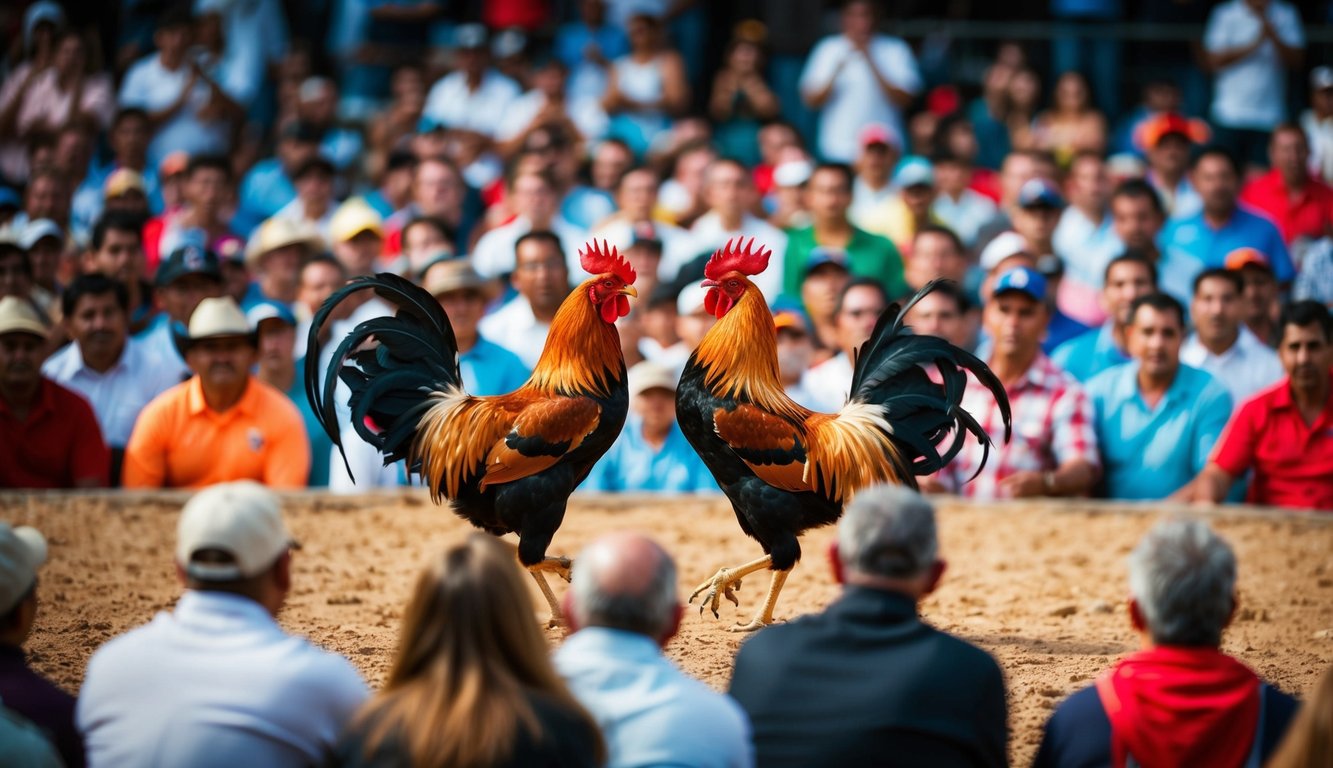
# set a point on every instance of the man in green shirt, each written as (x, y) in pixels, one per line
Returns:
(829, 195)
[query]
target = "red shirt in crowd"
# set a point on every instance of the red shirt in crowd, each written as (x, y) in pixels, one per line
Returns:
(58, 445)
(1310, 214)
(1292, 460)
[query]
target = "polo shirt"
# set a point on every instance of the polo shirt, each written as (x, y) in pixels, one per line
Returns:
(1089, 353)
(58, 445)
(1309, 215)
(1151, 452)
(118, 394)
(632, 464)
(1194, 237)
(1245, 369)
(179, 442)
(216, 682)
(868, 255)
(490, 369)
(1292, 460)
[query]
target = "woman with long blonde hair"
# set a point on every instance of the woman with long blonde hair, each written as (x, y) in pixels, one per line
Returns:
(472, 685)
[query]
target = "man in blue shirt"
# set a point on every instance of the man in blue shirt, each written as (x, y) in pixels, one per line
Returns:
(487, 368)
(268, 187)
(623, 609)
(1156, 419)
(1128, 276)
(651, 454)
(1223, 226)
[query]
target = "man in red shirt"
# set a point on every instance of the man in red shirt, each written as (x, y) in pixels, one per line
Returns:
(1300, 205)
(49, 437)
(1284, 433)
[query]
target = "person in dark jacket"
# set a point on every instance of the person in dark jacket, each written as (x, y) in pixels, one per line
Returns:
(867, 683)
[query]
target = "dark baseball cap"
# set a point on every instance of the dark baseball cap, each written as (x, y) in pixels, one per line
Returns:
(189, 259)
(1040, 193)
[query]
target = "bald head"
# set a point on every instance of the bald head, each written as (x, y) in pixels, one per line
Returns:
(626, 581)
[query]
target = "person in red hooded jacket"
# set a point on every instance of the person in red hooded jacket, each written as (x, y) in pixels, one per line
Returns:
(1179, 701)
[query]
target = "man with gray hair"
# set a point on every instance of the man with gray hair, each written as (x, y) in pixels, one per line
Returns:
(1180, 700)
(624, 608)
(867, 681)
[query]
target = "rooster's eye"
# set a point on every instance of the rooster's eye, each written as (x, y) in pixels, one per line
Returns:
(606, 283)
(733, 284)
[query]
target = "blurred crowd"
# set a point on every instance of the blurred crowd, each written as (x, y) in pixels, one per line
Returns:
(1149, 280)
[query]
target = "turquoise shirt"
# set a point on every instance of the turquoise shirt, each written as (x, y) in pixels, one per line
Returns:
(633, 465)
(321, 447)
(1089, 353)
(490, 369)
(1150, 453)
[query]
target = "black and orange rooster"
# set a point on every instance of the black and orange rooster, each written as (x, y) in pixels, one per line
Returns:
(506, 463)
(786, 468)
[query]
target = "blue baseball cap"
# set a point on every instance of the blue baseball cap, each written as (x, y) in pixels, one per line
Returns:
(1023, 280)
(1039, 193)
(269, 310)
(914, 171)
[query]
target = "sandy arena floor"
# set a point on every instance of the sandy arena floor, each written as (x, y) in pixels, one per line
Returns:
(1039, 586)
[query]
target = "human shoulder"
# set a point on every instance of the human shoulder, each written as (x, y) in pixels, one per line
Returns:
(62, 366)
(69, 404)
(274, 404)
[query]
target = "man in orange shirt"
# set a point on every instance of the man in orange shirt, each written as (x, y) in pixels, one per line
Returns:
(222, 424)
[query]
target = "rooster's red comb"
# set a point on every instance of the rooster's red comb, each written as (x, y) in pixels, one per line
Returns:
(598, 259)
(737, 256)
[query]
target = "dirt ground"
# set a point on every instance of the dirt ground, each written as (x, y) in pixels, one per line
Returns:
(1040, 586)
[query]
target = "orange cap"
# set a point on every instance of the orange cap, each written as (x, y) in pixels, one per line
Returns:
(1246, 257)
(1151, 131)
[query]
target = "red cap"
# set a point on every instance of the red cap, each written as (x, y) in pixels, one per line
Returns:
(1151, 131)
(1247, 257)
(878, 133)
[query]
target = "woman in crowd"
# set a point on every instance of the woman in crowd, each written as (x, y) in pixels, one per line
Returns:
(741, 99)
(1072, 124)
(472, 683)
(646, 88)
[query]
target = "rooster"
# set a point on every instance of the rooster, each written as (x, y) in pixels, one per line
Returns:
(787, 469)
(507, 463)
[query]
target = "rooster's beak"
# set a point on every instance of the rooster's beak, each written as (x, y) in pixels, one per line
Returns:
(630, 291)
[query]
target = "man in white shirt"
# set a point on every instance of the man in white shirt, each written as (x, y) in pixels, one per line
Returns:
(474, 97)
(636, 199)
(1250, 45)
(103, 364)
(874, 172)
(1221, 344)
(858, 77)
(730, 194)
(535, 200)
(859, 308)
(1084, 239)
(959, 207)
(541, 277)
(216, 682)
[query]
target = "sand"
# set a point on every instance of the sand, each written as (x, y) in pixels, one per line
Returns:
(1041, 586)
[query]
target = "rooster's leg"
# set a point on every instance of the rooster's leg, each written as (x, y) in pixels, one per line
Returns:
(724, 582)
(765, 615)
(560, 567)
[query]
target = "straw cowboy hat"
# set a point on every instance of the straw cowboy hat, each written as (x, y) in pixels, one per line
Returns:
(215, 319)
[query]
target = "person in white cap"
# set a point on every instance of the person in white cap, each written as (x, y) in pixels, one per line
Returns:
(49, 437)
(216, 682)
(221, 424)
(22, 551)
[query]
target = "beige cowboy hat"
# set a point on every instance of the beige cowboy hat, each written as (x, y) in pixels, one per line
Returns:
(215, 319)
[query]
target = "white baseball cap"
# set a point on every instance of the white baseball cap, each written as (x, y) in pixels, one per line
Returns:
(240, 520)
(22, 552)
(1003, 246)
(646, 375)
(691, 299)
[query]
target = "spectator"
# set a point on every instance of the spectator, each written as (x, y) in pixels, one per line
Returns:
(1180, 700)
(987, 114)
(944, 312)
(740, 99)
(856, 78)
(829, 195)
(116, 251)
(729, 194)
(395, 184)
(49, 437)
(317, 106)
(424, 241)
(277, 366)
(535, 202)
(207, 195)
(636, 203)
(1300, 205)
(859, 306)
(44, 241)
(624, 609)
(1128, 276)
(274, 257)
(1168, 140)
(1038, 212)
(786, 200)
(822, 690)
(473, 98)
(1315, 280)
(1283, 433)
(1020, 167)
(959, 207)
(1024, 99)
(1073, 124)
(1157, 420)
(1250, 45)
(487, 368)
(796, 350)
(1054, 452)
(1085, 239)
(681, 195)
(693, 320)
(216, 681)
(874, 172)
(541, 278)
(222, 424)
(1137, 219)
(128, 141)
(268, 187)
(125, 191)
(188, 276)
(1221, 344)
(646, 87)
(937, 253)
(16, 273)
(103, 364)
(314, 206)
(475, 692)
(1317, 121)
(651, 454)
(1223, 226)
(357, 236)
(23, 551)
(1260, 305)
(910, 209)
(1308, 743)
(587, 47)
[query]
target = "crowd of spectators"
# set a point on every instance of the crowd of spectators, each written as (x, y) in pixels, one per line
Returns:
(1150, 285)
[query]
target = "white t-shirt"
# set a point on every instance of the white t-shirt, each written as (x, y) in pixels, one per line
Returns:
(829, 383)
(152, 87)
(586, 115)
(1252, 92)
(857, 100)
(454, 105)
(515, 328)
(494, 253)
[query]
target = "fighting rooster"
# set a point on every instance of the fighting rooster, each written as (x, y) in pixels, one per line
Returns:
(787, 469)
(506, 463)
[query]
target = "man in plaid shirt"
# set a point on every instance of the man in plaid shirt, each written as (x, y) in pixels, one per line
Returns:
(1054, 448)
